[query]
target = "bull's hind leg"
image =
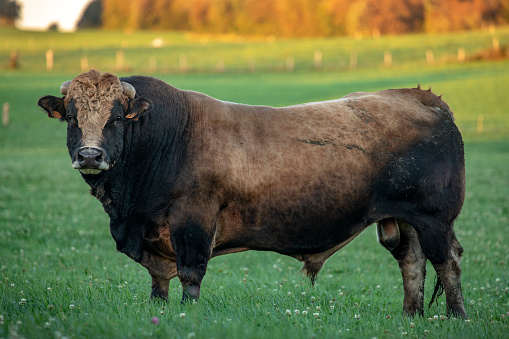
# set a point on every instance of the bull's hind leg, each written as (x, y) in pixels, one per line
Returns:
(444, 251)
(401, 240)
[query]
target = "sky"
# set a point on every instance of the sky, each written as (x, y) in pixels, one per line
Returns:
(39, 14)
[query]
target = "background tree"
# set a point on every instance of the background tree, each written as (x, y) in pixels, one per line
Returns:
(9, 12)
(301, 18)
(91, 16)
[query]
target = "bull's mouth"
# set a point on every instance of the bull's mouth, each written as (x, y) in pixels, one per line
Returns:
(90, 171)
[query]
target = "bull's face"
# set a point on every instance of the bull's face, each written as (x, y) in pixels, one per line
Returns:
(97, 108)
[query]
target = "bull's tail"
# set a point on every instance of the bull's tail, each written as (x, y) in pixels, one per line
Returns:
(439, 290)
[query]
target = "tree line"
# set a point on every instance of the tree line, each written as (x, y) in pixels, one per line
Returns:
(300, 18)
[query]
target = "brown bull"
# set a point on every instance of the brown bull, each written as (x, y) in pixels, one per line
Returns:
(185, 177)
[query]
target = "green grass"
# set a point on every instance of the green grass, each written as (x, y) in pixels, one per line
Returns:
(236, 53)
(56, 250)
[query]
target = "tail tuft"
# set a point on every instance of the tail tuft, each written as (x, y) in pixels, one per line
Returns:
(439, 290)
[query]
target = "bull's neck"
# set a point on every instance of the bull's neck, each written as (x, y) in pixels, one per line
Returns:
(144, 177)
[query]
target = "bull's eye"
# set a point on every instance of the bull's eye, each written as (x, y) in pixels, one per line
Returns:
(68, 117)
(119, 119)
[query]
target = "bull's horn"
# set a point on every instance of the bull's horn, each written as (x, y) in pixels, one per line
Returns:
(129, 90)
(65, 87)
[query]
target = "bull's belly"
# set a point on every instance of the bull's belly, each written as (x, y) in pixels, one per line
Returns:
(293, 232)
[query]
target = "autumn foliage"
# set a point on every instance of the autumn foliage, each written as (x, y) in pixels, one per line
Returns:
(305, 17)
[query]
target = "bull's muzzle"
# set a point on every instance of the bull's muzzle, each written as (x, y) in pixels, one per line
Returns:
(90, 160)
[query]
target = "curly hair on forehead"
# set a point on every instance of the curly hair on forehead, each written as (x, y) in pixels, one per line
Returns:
(94, 94)
(93, 85)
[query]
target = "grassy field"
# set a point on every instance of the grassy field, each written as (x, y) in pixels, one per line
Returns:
(60, 275)
(232, 53)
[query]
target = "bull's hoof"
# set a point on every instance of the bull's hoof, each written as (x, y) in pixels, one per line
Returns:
(457, 311)
(413, 312)
(190, 293)
(157, 296)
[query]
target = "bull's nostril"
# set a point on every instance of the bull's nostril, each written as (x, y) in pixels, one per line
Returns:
(89, 157)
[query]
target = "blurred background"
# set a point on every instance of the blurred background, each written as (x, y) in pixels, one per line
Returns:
(290, 18)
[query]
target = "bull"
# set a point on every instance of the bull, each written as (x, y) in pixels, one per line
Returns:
(185, 177)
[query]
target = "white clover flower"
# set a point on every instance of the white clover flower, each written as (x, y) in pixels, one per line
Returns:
(304, 312)
(297, 312)
(288, 313)
(23, 301)
(357, 316)
(412, 325)
(316, 315)
(71, 306)
(182, 315)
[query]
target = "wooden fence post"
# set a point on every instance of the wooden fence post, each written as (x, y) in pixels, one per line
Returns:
(461, 54)
(49, 60)
(5, 114)
(251, 64)
(318, 59)
(480, 124)
(183, 63)
(13, 61)
(430, 59)
(152, 64)
(84, 64)
(119, 60)
(496, 44)
(353, 60)
(220, 65)
(290, 64)
(387, 59)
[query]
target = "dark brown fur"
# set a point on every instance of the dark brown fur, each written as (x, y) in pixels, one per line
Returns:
(302, 181)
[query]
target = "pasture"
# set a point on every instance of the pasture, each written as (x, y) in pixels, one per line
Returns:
(60, 275)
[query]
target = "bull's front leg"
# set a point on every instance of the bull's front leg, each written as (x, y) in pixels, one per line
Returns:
(161, 270)
(192, 244)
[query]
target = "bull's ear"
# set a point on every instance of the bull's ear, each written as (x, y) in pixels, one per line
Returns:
(53, 106)
(137, 107)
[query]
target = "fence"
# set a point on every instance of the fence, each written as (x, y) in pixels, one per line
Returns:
(155, 61)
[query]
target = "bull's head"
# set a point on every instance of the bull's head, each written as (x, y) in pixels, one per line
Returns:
(97, 107)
